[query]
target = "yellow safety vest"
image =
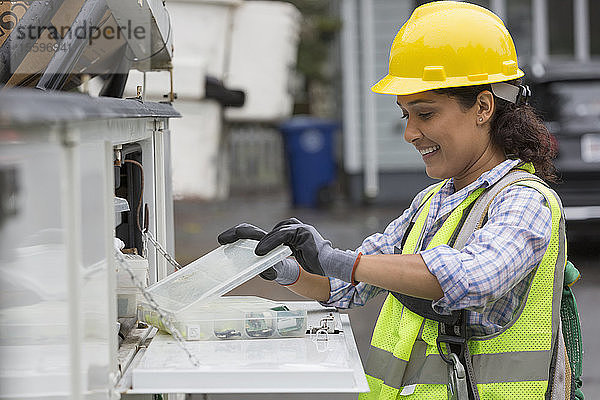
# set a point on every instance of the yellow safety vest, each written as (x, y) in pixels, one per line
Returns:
(511, 364)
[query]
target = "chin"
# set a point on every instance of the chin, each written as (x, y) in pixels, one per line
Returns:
(436, 173)
(433, 173)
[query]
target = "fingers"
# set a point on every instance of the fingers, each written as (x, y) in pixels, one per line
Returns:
(275, 238)
(289, 221)
(241, 231)
(269, 274)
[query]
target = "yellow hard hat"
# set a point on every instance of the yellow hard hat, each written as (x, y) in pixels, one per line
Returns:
(449, 44)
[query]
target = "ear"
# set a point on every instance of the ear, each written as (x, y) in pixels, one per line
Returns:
(485, 106)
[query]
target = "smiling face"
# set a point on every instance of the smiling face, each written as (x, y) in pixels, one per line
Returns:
(453, 142)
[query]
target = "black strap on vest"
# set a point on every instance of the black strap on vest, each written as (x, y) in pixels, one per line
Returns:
(423, 307)
(455, 338)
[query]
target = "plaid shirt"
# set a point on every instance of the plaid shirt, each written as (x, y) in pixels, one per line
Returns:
(490, 276)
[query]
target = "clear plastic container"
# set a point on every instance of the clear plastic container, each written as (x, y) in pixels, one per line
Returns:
(190, 297)
(139, 267)
(230, 318)
(127, 291)
(213, 275)
(127, 302)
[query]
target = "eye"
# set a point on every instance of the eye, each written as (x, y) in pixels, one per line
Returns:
(425, 115)
(404, 115)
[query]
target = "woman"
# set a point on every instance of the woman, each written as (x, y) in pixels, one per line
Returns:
(453, 70)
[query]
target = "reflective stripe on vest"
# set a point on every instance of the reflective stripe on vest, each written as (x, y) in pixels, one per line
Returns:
(512, 363)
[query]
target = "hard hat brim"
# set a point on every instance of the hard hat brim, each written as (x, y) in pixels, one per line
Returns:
(395, 85)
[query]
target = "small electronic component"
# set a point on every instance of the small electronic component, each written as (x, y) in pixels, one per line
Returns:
(259, 325)
(228, 334)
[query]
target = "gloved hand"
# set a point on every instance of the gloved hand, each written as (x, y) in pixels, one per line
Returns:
(315, 254)
(284, 272)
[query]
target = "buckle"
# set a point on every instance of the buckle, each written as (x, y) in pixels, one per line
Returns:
(518, 95)
(524, 95)
(456, 338)
(457, 379)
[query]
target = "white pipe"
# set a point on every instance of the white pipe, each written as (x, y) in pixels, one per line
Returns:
(71, 214)
(371, 184)
(499, 8)
(111, 275)
(540, 30)
(160, 205)
(350, 82)
(582, 29)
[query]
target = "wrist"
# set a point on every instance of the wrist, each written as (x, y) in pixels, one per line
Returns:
(353, 280)
(340, 264)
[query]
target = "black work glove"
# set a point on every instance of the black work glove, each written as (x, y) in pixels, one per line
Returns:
(315, 254)
(285, 272)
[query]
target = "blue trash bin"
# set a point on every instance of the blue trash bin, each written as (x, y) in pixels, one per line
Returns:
(309, 151)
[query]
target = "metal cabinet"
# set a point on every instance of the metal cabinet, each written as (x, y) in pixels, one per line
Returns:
(58, 336)
(57, 274)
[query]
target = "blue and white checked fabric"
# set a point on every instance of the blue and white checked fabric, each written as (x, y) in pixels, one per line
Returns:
(490, 276)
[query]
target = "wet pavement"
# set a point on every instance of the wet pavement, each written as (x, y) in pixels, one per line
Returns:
(198, 223)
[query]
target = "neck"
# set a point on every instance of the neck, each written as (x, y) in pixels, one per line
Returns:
(488, 160)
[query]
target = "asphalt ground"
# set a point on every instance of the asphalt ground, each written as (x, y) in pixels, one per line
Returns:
(197, 224)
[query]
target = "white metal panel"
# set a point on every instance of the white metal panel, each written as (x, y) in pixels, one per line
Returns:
(291, 365)
(54, 277)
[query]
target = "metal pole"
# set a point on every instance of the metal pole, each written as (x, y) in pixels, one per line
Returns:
(71, 210)
(350, 83)
(581, 25)
(371, 186)
(539, 32)
(499, 8)
(160, 206)
(111, 284)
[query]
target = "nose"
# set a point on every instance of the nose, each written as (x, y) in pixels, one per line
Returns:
(411, 132)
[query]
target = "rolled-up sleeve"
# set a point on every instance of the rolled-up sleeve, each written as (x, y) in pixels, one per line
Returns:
(496, 257)
(344, 294)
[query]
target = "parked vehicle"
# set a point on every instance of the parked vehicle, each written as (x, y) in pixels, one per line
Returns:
(568, 97)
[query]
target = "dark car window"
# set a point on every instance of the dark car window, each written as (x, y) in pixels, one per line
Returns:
(575, 105)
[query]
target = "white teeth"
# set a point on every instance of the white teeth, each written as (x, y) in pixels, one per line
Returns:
(429, 150)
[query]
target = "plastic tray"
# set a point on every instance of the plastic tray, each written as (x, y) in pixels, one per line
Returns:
(213, 275)
(230, 318)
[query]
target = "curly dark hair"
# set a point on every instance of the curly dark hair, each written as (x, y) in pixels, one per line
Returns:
(517, 129)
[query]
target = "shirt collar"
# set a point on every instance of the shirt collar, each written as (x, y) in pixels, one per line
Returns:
(488, 178)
